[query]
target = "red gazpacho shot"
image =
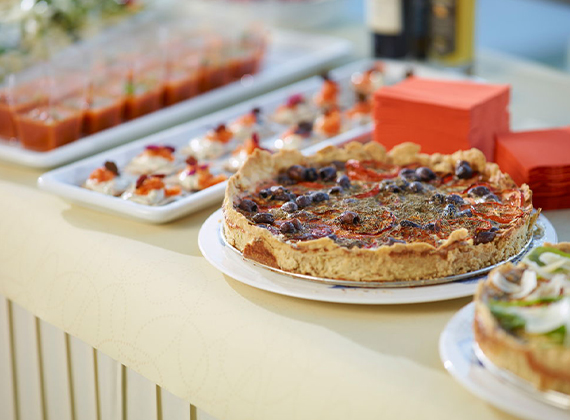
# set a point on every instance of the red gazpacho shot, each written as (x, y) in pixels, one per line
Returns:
(104, 110)
(214, 73)
(46, 128)
(12, 103)
(181, 84)
(143, 98)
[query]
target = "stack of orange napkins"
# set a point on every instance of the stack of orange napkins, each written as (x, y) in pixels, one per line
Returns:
(540, 159)
(441, 116)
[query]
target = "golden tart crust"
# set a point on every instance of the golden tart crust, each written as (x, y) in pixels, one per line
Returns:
(546, 367)
(323, 257)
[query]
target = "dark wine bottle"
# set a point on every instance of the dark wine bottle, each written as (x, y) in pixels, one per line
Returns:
(418, 32)
(387, 22)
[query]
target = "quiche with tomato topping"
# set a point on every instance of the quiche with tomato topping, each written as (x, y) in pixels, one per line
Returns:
(522, 317)
(358, 213)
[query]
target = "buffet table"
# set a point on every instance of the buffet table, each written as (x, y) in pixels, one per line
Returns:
(143, 295)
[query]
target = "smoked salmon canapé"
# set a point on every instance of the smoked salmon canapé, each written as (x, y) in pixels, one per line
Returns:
(327, 97)
(294, 110)
(213, 144)
(329, 123)
(243, 152)
(295, 137)
(369, 81)
(196, 176)
(151, 190)
(154, 159)
(361, 112)
(244, 126)
(106, 180)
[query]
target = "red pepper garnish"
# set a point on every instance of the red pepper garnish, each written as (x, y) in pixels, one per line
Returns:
(295, 100)
(411, 234)
(156, 148)
(141, 180)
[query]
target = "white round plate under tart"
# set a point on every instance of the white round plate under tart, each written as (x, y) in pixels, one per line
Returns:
(456, 349)
(228, 261)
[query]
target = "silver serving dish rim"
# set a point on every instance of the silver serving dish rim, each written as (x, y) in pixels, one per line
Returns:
(536, 239)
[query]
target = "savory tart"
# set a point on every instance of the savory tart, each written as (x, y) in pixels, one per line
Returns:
(358, 213)
(522, 317)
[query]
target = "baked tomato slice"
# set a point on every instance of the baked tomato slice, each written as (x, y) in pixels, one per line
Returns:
(412, 234)
(513, 197)
(497, 212)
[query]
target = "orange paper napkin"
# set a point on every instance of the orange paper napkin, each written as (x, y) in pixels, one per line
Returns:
(441, 116)
(540, 159)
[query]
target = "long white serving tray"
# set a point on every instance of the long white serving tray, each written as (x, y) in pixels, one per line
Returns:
(66, 181)
(291, 56)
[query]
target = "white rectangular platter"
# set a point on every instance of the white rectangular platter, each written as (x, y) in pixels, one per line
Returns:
(66, 181)
(291, 56)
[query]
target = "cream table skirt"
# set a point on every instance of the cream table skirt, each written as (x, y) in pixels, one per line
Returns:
(136, 315)
(143, 296)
